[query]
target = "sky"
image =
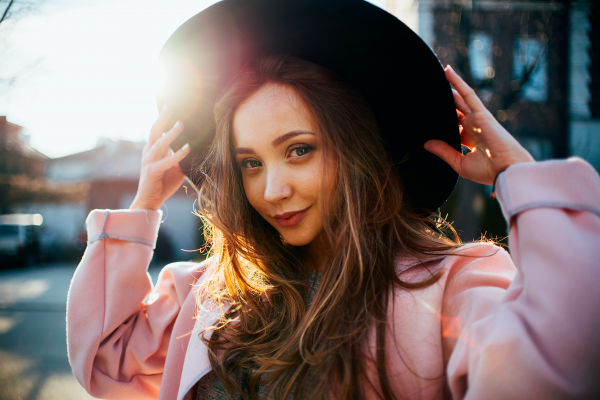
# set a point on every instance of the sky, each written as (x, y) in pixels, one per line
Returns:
(87, 70)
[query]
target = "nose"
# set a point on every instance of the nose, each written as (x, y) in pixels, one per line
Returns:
(278, 186)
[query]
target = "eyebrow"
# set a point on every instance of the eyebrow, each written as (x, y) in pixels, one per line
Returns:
(276, 142)
(243, 150)
(288, 136)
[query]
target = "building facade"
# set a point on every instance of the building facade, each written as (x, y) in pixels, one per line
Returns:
(112, 170)
(536, 66)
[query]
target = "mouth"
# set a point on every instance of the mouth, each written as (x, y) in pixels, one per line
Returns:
(291, 218)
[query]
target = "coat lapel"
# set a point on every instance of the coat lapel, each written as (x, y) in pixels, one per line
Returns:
(180, 338)
(197, 363)
(179, 365)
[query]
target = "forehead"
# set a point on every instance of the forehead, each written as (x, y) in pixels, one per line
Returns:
(270, 112)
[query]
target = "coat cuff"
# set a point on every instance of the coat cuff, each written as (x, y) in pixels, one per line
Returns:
(571, 184)
(130, 225)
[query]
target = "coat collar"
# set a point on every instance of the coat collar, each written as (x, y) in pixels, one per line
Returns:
(196, 363)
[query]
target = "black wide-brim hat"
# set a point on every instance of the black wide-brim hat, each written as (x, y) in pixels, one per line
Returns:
(396, 72)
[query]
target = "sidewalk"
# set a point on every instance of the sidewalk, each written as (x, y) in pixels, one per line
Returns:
(33, 351)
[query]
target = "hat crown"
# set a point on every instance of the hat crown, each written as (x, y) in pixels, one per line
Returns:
(394, 70)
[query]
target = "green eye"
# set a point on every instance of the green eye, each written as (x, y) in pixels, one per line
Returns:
(301, 151)
(251, 164)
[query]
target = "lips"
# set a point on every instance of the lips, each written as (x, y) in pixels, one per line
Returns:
(291, 218)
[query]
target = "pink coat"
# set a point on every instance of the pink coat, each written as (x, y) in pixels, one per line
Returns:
(495, 326)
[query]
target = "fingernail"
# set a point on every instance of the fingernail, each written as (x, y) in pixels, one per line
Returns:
(176, 125)
(164, 107)
(185, 146)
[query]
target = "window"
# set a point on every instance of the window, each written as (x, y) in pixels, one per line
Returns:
(530, 65)
(480, 56)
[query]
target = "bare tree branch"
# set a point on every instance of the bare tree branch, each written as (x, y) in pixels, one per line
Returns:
(461, 18)
(10, 3)
(529, 68)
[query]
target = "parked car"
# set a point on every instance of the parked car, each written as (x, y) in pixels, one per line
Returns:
(19, 239)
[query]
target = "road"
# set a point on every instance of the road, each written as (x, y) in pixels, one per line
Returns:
(33, 351)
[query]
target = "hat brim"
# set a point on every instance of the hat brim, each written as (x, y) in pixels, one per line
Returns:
(396, 72)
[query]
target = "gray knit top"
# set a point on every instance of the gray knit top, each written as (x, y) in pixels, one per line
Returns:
(210, 386)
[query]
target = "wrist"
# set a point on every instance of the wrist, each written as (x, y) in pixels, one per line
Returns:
(139, 205)
(522, 156)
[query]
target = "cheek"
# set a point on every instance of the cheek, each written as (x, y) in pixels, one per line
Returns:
(312, 179)
(308, 181)
(254, 192)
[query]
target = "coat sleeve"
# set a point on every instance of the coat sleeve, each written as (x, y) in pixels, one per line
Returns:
(118, 326)
(539, 338)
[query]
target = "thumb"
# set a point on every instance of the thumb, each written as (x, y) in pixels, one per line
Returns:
(446, 152)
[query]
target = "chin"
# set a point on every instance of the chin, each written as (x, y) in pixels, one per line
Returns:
(298, 240)
(298, 236)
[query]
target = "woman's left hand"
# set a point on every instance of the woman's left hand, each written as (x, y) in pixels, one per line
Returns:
(493, 149)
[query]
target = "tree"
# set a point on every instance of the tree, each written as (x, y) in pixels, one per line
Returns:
(6, 10)
(461, 15)
(21, 167)
(458, 29)
(15, 9)
(22, 174)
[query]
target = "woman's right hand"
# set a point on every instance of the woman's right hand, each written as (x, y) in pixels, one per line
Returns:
(161, 175)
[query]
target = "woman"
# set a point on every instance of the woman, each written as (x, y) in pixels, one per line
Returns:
(327, 277)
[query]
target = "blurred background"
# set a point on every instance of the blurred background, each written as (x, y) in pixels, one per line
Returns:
(77, 85)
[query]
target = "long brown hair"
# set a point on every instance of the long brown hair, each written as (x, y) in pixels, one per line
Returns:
(270, 337)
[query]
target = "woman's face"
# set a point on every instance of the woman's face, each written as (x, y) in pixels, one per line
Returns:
(277, 145)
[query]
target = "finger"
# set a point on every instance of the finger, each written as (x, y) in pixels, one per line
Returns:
(446, 152)
(160, 124)
(460, 103)
(467, 93)
(174, 158)
(461, 121)
(161, 147)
